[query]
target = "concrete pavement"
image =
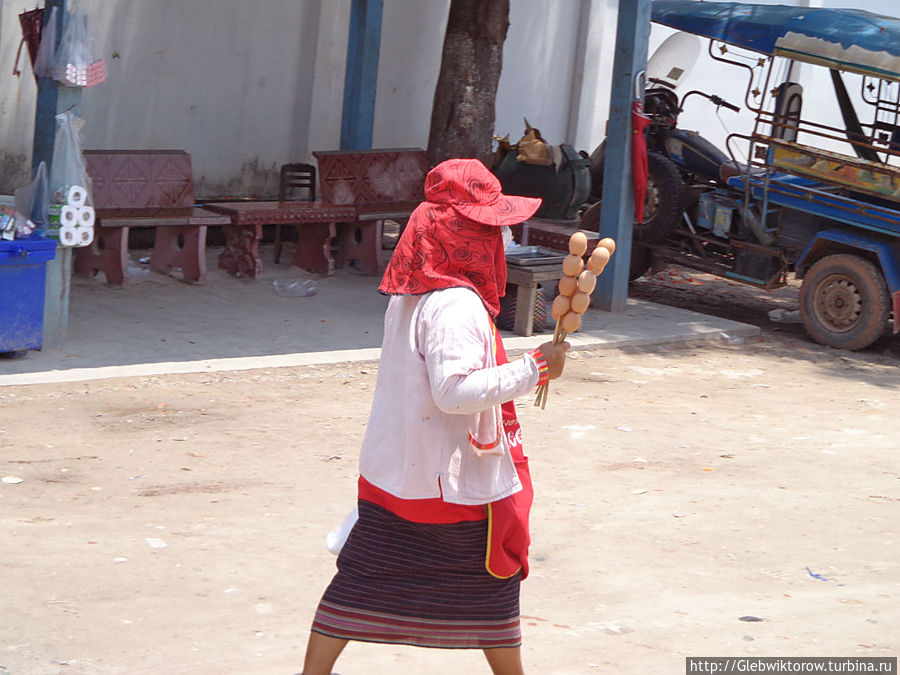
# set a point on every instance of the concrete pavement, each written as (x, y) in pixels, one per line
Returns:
(158, 325)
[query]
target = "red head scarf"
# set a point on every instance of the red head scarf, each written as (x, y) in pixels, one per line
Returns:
(453, 238)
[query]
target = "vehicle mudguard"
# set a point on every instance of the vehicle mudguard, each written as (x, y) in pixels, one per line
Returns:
(691, 152)
(885, 249)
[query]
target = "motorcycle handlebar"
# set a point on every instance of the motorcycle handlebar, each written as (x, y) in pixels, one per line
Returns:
(722, 102)
(718, 100)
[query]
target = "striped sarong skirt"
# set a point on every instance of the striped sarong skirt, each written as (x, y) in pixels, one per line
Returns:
(418, 584)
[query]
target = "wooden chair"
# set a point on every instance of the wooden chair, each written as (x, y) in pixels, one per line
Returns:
(294, 177)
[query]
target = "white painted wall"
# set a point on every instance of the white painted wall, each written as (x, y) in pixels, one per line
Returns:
(245, 87)
(229, 82)
(538, 68)
(17, 95)
(412, 39)
(537, 80)
(593, 74)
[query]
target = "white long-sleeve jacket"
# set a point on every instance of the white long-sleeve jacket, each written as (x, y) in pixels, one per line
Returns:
(439, 388)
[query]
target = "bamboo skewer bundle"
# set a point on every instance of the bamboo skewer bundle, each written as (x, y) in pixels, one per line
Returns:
(575, 289)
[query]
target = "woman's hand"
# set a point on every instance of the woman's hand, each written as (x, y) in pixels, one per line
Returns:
(556, 357)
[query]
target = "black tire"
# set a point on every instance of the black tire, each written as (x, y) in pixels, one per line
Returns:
(664, 203)
(844, 302)
(598, 161)
(640, 262)
(640, 255)
(590, 219)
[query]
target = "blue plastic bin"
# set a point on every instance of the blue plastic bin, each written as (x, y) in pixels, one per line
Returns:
(22, 281)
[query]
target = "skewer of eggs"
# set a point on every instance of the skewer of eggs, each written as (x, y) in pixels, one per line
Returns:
(579, 281)
(575, 287)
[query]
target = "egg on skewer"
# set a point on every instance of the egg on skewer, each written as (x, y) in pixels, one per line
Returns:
(598, 260)
(578, 244)
(571, 322)
(572, 265)
(580, 302)
(568, 286)
(561, 305)
(608, 243)
(587, 282)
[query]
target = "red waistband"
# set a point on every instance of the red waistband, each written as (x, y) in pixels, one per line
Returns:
(433, 510)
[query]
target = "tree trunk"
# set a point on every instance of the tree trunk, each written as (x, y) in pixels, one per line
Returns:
(462, 118)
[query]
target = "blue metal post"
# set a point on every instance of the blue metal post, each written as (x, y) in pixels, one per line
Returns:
(52, 98)
(361, 77)
(617, 215)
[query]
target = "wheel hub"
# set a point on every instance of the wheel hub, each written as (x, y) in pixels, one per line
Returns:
(838, 304)
(651, 201)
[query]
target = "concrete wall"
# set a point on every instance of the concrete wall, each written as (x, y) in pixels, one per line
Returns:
(17, 96)
(229, 82)
(539, 68)
(412, 38)
(245, 87)
(233, 83)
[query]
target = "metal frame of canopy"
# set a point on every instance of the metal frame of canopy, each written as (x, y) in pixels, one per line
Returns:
(839, 39)
(846, 39)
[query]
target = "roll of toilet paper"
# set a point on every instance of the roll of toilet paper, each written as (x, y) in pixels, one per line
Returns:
(84, 236)
(73, 195)
(62, 214)
(68, 235)
(86, 216)
(24, 227)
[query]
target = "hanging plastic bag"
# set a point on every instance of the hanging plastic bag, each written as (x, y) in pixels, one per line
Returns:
(77, 64)
(70, 216)
(31, 202)
(336, 539)
(30, 22)
(45, 59)
(68, 167)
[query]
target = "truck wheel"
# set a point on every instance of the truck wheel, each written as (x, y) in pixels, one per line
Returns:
(640, 262)
(664, 202)
(640, 255)
(590, 219)
(598, 161)
(844, 302)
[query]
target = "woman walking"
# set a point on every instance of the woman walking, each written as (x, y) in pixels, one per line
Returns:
(441, 543)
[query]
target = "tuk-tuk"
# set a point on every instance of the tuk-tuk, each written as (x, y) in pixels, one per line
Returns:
(795, 195)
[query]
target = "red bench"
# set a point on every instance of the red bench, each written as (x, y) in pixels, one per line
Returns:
(145, 188)
(381, 184)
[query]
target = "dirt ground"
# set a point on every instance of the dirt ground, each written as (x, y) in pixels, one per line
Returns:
(705, 293)
(712, 499)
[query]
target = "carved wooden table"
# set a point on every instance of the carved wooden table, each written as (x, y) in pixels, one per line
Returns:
(315, 223)
(551, 233)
